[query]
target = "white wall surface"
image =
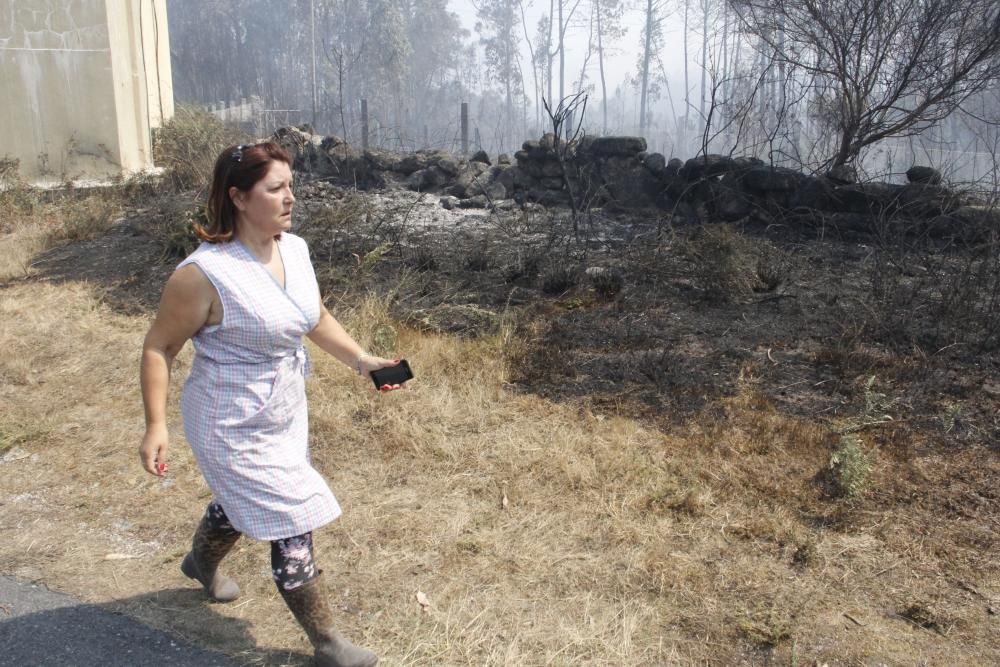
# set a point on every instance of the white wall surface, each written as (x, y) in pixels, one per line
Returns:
(82, 84)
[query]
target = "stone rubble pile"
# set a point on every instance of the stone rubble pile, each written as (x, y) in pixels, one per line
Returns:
(617, 171)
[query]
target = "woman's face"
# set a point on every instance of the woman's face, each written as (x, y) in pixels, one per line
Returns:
(267, 206)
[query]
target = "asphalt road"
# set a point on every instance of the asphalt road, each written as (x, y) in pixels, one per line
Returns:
(39, 627)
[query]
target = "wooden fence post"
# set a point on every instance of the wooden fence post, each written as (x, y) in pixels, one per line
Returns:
(465, 129)
(364, 125)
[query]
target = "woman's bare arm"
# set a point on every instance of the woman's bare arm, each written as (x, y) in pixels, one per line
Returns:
(184, 308)
(333, 339)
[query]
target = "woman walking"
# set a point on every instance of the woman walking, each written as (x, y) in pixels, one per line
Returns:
(246, 297)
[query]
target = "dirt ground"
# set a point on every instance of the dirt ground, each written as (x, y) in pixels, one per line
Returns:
(753, 349)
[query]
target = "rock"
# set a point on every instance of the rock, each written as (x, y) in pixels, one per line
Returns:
(331, 141)
(426, 179)
(483, 185)
(728, 202)
(515, 178)
(771, 179)
(531, 168)
(843, 174)
(969, 224)
(321, 156)
(420, 160)
(532, 150)
(380, 161)
(947, 227)
(742, 164)
(813, 193)
(292, 139)
(656, 163)
(473, 172)
(449, 165)
(551, 169)
(928, 175)
(925, 200)
(622, 146)
(707, 166)
(476, 179)
(506, 178)
(630, 185)
(481, 157)
(448, 203)
(494, 190)
(867, 198)
(985, 217)
(503, 159)
(479, 201)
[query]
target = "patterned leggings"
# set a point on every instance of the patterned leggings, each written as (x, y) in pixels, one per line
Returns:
(292, 562)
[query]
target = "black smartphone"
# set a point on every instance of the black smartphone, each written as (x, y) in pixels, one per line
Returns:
(391, 375)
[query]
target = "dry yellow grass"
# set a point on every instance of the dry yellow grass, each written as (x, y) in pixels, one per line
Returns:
(29, 225)
(541, 534)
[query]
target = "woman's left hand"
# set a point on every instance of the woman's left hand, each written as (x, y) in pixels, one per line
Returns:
(368, 363)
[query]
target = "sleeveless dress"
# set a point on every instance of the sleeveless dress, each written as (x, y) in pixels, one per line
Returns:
(244, 402)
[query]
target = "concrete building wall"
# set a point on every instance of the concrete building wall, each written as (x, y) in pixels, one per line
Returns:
(84, 82)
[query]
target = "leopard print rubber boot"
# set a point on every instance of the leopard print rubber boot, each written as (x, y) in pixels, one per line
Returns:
(208, 548)
(310, 605)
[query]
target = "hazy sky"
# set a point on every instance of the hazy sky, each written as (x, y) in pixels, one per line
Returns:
(617, 65)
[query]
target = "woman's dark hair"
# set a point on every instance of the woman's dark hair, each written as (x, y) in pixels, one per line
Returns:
(240, 166)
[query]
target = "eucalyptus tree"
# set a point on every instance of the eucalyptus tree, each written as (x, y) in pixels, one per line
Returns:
(608, 16)
(564, 13)
(497, 26)
(544, 53)
(344, 32)
(652, 43)
(436, 38)
(385, 68)
(222, 51)
(535, 54)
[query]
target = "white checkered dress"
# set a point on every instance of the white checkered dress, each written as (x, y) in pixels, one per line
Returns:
(244, 403)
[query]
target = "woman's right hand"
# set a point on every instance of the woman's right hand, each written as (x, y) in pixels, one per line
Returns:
(153, 450)
(367, 363)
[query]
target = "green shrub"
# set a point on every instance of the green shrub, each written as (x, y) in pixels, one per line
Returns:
(17, 198)
(850, 466)
(178, 239)
(88, 217)
(560, 279)
(722, 267)
(187, 145)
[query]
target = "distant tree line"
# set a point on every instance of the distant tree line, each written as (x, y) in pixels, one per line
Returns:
(807, 83)
(313, 60)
